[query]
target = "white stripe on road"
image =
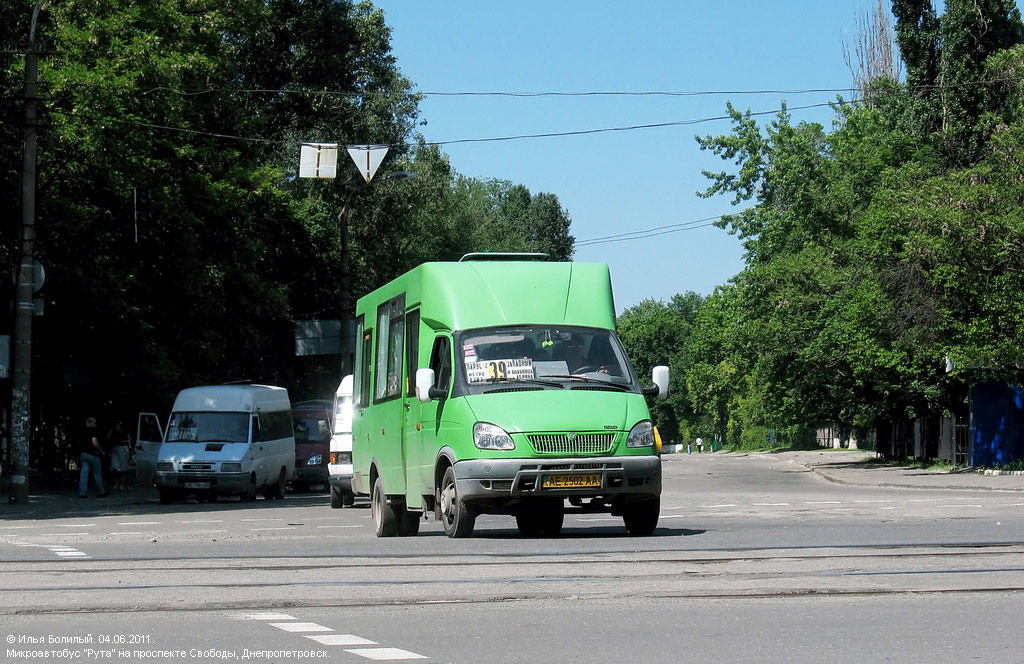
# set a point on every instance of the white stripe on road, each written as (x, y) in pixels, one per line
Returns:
(252, 530)
(264, 616)
(341, 640)
(822, 502)
(352, 526)
(139, 523)
(385, 654)
(204, 521)
(300, 627)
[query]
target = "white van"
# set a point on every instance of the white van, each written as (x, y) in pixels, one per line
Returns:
(224, 440)
(340, 466)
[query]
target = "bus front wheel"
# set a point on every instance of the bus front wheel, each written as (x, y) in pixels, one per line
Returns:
(457, 517)
(641, 518)
(386, 520)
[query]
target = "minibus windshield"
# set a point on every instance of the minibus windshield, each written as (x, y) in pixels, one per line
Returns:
(208, 427)
(544, 357)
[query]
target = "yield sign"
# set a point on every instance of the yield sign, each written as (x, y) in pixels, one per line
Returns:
(367, 158)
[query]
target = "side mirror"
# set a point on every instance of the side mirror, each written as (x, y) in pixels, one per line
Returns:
(660, 377)
(425, 390)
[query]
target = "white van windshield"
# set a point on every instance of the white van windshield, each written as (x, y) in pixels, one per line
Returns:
(208, 427)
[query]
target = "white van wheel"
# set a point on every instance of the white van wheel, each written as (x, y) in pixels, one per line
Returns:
(276, 491)
(337, 499)
(250, 493)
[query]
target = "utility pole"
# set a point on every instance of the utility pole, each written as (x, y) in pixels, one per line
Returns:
(21, 390)
(320, 160)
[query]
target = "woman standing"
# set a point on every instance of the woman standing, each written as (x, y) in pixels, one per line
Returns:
(120, 443)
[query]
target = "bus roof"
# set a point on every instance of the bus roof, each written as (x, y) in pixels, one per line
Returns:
(471, 294)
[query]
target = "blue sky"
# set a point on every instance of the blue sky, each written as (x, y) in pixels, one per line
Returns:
(623, 181)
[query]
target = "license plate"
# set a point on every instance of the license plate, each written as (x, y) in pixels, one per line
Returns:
(197, 485)
(571, 481)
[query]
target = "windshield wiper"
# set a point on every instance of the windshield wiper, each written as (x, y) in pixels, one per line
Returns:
(585, 379)
(549, 383)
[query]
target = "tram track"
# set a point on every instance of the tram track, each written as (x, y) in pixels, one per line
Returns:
(289, 581)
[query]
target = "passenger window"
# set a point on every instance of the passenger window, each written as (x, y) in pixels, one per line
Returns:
(412, 350)
(390, 347)
(441, 363)
(361, 380)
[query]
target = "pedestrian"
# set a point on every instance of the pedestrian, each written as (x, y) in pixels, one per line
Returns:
(700, 445)
(91, 453)
(119, 442)
(689, 446)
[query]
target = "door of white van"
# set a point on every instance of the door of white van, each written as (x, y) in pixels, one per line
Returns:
(149, 436)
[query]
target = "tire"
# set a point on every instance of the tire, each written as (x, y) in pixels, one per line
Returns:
(337, 498)
(276, 491)
(410, 525)
(641, 518)
(249, 495)
(457, 517)
(348, 498)
(386, 521)
(542, 522)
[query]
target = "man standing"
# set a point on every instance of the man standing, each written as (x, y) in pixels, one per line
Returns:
(89, 446)
(700, 445)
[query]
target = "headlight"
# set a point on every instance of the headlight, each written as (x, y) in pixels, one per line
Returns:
(641, 435)
(230, 467)
(164, 465)
(489, 437)
(315, 460)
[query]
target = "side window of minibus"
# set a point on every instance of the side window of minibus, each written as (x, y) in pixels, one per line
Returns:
(441, 363)
(412, 347)
(256, 429)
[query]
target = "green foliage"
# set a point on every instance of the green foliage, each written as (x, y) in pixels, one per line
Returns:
(179, 247)
(878, 250)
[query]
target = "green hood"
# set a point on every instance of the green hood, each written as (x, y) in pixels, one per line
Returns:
(559, 410)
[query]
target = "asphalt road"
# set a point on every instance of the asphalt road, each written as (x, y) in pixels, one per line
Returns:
(754, 560)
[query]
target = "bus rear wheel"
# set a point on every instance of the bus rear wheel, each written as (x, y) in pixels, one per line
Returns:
(641, 518)
(457, 517)
(386, 522)
(542, 523)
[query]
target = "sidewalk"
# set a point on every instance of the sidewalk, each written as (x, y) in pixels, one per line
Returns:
(48, 503)
(852, 467)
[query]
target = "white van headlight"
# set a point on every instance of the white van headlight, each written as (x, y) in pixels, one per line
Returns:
(641, 435)
(231, 467)
(489, 437)
(165, 465)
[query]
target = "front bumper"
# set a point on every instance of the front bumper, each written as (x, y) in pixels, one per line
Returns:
(311, 475)
(497, 480)
(219, 482)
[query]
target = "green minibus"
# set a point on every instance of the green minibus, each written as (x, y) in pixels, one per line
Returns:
(497, 385)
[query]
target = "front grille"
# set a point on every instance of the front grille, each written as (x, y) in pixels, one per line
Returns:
(562, 443)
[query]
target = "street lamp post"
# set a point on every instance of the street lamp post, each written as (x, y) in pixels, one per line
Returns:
(21, 384)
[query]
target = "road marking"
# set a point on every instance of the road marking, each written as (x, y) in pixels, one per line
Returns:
(74, 525)
(270, 519)
(822, 502)
(710, 506)
(341, 640)
(771, 504)
(385, 654)
(127, 532)
(139, 523)
(204, 521)
(352, 526)
(252, 530)
(300, 627)
(16, 527)
(67, 551)
(264, 616)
